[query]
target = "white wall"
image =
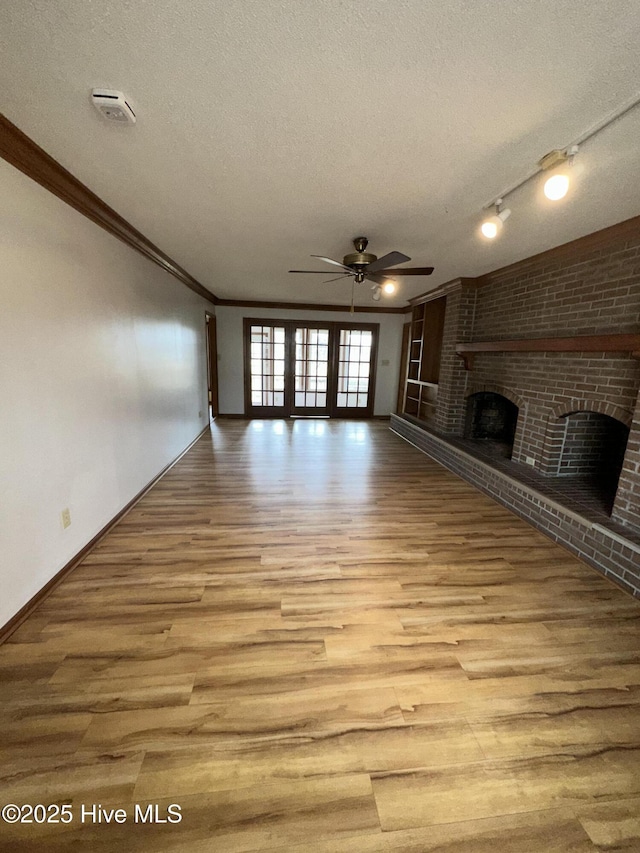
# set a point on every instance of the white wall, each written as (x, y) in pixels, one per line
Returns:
(230, 351)
(102, 380)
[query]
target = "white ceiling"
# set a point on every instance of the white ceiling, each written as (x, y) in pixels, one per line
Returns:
(270, 130)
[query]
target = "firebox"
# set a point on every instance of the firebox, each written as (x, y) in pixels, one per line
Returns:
(492, 418)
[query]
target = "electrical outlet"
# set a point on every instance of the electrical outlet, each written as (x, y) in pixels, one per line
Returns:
(529, 460)
(200, 413)
(385, 362)
(65, 515)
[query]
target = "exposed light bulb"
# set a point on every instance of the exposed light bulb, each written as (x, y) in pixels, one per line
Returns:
(491, 227)
(560, 177)
(389, 287)
(556, 187)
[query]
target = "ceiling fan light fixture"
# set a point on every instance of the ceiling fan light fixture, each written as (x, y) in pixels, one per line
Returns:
(362, 266)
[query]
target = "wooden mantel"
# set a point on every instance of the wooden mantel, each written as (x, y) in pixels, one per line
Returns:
(582, 343)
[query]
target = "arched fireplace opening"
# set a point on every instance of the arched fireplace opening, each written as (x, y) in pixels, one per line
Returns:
(491, 419)
(593, 452)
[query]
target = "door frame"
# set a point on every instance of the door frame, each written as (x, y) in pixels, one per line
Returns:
(211, 337)
(334, 338)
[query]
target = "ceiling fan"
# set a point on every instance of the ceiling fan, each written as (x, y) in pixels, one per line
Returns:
(361, 265)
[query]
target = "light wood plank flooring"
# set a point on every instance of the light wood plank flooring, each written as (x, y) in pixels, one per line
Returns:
(313, 638)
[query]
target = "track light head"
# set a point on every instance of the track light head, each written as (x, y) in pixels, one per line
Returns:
(561, 168)
(376, 292)
(389, 286)
(556, 187)
(492, 226)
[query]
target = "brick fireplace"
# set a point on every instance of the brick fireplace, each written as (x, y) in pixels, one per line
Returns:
(536, 401)
(491, 418)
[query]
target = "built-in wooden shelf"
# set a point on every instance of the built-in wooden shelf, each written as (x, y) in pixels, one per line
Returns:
(423, 359)
(580, 343)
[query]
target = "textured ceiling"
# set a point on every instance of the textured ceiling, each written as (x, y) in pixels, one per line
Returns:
(269, 130)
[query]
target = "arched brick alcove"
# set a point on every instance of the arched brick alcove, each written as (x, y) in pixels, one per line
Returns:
(586, 440)
(555, 433)
(570, 407)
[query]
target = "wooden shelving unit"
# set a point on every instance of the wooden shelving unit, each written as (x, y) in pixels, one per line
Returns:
(423, 362)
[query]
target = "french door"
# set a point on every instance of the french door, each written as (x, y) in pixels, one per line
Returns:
(305, 368)
(310, 370)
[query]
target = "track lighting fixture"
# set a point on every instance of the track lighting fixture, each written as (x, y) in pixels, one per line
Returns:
(560, 166)
(376, 292)
(492, 226)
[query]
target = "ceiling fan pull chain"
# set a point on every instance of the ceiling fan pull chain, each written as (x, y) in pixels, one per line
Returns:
(353, 288)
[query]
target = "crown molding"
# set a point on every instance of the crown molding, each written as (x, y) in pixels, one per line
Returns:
(308, 306)
(23, 153)
(443, 290)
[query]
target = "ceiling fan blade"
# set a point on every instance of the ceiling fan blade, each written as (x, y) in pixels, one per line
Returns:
(339, 278)
(379, 279)
(314, 272)
(331, 261)
(406, 271)
(388, 261)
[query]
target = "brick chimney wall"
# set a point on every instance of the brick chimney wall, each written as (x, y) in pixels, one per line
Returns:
(588, 287)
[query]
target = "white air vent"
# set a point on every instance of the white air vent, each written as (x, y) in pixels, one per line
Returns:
(113, 106)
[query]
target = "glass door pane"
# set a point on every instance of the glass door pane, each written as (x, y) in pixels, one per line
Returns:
(311, 371)
(355, 349)
(267, 368)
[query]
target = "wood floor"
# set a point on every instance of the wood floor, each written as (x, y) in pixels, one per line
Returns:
(313, 638)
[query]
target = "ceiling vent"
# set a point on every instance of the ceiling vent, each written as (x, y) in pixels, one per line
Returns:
(113, 106)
